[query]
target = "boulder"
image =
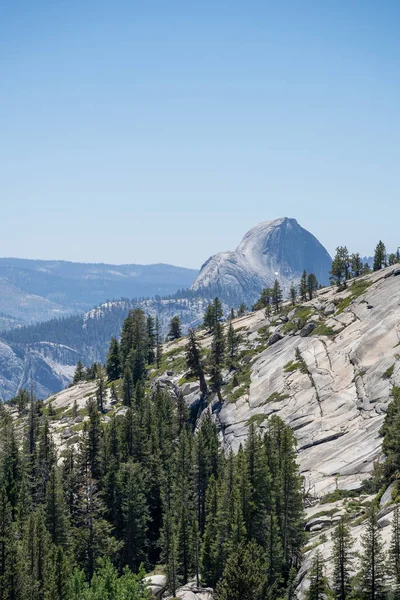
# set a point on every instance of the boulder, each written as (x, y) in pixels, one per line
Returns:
(330, 309)
(323, 521)
(157, 585)
(67, 433)
(275, 337)
(307, 329)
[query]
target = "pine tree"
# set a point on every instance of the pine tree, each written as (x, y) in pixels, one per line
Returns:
(243, 577)
(392, 259)
(312, 285)
(169, 539)
(92, 533)
(293, 294)
(209, 318)
(342, 560)
(58, 581)
(260, 501)
(151, 337)
(36, 549)
(128, 387)
(380, 256)
(373, 570)
(280, 446)
(135, 515)
(210, 567)
(79, 374)
(158, 342)
(303, 287)
(356, 264)
(394, 551)
(232, 343)
(217, 358)
(319, 588)
(101, 392)
(340, 269)
(113, 364)
(193, 360)
(241, 311)
(175, 328)
(5, 534)
(213, 315)
(55, 510)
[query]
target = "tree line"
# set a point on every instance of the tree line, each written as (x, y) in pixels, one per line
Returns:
(143, 489)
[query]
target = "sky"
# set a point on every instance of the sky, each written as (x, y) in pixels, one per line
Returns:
(152, 131)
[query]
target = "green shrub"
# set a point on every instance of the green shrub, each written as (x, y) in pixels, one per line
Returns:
(389, 372)
(256, 420)
(323, 329)
(275, 397)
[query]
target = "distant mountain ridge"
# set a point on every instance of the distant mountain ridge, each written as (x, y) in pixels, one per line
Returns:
(279, 249)
(37, 290)
(45, 353)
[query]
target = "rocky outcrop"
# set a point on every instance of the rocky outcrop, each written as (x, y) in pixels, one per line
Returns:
(335, 401)
(279, 249)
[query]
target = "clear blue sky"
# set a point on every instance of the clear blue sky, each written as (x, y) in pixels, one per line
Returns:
(160, 131)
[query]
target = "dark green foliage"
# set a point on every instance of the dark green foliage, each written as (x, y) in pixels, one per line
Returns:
(340, 269)
(241, 310)
(342, 560)
(391, 442)
(113, 364)
(356, 265)
(243, 576)
(264, 301)
(158, 343)
(380, 256)
(312, 285)
(79, 374)
(144, 489)
(217, 357)
(194, 361)
(293, 294)
(232, 343)
(373, 569)
(213, 315)
(303, 287)
(277, 296)
(175, 329)
(319, 588)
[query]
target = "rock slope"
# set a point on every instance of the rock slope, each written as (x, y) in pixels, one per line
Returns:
(326, 368)
(273, 249)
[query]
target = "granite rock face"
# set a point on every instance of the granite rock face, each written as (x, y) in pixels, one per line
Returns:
(335, 404)
(279, 249)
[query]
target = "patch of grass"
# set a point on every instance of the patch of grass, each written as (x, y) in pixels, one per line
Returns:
(256, 420)
(343, 304)
(389, 372)
(324, 513)
(291, 366)
(275, 397)
(302, 315)
(323, 329)
(239, 385)
(188, 378)
(264, 333)
(302, 362)
(357, 289)
(339, 495)
(289, 327)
